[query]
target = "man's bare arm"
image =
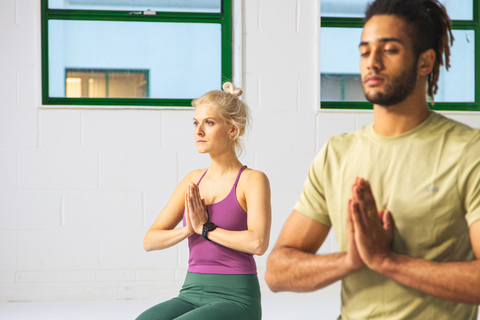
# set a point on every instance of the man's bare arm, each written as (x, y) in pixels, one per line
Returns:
(453, 281)
(293, 264)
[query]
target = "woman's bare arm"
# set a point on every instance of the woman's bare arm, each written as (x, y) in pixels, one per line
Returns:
(255, 240)
(162, 234)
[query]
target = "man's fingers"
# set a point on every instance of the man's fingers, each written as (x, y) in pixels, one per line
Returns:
(357, 218)
(368, 195)
(387, 220)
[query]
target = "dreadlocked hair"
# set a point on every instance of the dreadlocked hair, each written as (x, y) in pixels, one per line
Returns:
(429, 27)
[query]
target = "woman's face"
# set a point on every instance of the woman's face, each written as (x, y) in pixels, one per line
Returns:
(211, 132)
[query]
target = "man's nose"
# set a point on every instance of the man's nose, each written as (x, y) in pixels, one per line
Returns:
(375, 60)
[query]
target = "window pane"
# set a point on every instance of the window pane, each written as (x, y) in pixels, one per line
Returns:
(141, 5)
(182, 60)
(457, 9)
(458, 84)
(339, 67)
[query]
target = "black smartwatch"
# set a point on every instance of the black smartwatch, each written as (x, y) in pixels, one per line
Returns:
(208, 226)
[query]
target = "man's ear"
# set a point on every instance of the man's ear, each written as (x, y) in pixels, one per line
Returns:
(426, 62)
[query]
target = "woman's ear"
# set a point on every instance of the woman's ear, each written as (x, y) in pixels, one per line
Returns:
(233, 131)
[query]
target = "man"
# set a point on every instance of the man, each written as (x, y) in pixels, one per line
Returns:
(403, 193)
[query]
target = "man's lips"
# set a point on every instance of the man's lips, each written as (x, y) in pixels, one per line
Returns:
(374, 81)
(201, 141)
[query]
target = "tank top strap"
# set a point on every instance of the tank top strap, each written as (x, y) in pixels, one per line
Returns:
(238, 177)
(202, 177)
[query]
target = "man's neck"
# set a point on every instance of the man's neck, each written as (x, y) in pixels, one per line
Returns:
(403, 117)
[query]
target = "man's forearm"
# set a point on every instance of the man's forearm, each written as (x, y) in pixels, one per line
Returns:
(453, 281)
(290, 269)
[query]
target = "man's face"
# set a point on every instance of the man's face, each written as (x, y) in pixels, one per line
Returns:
(388, 64)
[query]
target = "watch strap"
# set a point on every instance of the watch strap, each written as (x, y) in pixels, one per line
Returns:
(207, 227)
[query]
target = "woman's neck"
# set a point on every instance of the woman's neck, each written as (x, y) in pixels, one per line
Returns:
(225, 163)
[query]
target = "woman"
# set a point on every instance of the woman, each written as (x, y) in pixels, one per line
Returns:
(226, 218)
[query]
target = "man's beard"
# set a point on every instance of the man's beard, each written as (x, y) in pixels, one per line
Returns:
(399, 89)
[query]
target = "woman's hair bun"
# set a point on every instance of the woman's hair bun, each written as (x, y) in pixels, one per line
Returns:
(228, 87)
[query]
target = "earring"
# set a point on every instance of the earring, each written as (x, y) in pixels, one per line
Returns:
(230, 137)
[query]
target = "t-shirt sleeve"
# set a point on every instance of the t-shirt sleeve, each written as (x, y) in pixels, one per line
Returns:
(312, 201)
(469, 179)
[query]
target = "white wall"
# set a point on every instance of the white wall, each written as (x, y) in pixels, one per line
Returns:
(79, 187)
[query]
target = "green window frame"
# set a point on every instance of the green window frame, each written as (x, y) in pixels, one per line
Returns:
(224, 18)
(334, 22)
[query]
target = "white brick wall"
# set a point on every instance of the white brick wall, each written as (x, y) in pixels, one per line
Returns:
(80, 187)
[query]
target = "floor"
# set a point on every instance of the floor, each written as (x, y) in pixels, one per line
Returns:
(283, 306)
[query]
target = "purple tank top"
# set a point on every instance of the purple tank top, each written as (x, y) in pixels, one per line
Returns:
(213, 258)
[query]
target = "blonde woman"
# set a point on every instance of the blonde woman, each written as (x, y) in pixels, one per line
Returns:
(226, 217)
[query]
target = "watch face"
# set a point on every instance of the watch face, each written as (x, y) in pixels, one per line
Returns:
(209, 225)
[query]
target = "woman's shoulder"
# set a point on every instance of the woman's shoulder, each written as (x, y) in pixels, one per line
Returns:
(193, 176)
(254, 176)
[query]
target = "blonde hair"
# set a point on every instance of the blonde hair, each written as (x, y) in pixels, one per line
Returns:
(230, 108)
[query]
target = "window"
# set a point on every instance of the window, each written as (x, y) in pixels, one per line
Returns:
(125, 52)
(341, 87)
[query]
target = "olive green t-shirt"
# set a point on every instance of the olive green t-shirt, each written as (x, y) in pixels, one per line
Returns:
(429, 179)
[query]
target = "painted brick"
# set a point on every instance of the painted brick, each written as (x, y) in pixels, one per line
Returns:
(27, 16)
(22, 46)
(36, 276)
(291, 53)
(8, 81)
(178, 130)
(103, 209)
(286, 132)
(8, 169)
(76, 276)
(251, 88)
(362, 120)
(307, 93)
(115, 275)
(470, 120)
(307, 15)
(123, 249)
(281, 167)
(29, 209)
(124, 129)
(250, 16)
(58, 250)
(154, 275)
(330, 124)
(183, 255)
(60, 129)
(180, 274)
(7, 277)
(18, 127)
(7, 14)
(8, 250)
(281, 20)
(28, 87)
(273, 99)
(154, 202)
(138, 170)
(57, 169)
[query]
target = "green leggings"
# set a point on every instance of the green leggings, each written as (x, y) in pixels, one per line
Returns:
(212, 297)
